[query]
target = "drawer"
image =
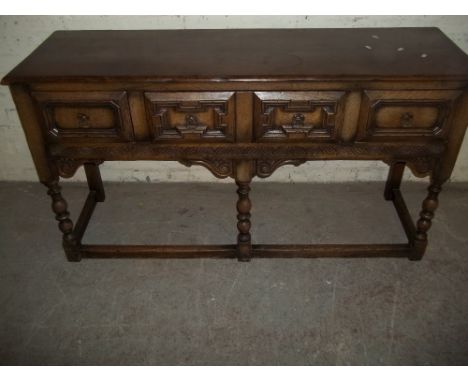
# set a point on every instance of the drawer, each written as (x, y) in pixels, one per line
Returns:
(191, 116)
(298, 115)
(398, 115)
(75, 115)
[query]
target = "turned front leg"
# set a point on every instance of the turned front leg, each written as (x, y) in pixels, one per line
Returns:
(244, 242)
(425, 221)
(60, 208)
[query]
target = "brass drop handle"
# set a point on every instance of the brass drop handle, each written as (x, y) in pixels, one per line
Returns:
(83, 120)
(406, 119)
(298, 119)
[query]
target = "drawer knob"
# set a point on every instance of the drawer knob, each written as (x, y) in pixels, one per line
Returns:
(83, 120)
(298, 120)
(406, 119)
(191, 120)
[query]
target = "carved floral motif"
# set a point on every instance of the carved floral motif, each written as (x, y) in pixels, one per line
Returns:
(67, 167)
(422, 166)
(266, 167)
(419, 166)
(220, 168)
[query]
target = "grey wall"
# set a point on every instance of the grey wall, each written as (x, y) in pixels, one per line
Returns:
(20, 35)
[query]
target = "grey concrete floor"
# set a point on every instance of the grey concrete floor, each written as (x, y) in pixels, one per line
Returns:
(210, 312)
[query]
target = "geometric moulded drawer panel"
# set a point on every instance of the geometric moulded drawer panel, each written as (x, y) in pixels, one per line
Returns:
(83, 116)
(402, 115)
(298, 115)
(191, 116)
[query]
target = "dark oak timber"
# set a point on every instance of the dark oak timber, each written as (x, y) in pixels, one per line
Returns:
(243, 103)
(241, 54)
(93, 176)
(71, 243)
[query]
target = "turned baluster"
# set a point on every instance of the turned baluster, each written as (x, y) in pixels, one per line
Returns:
(60, 208)
(426, 215)
(243, 221)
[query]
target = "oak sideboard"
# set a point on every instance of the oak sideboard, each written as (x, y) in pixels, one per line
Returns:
(243, 103)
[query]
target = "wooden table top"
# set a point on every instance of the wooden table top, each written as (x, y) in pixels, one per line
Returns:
(244, 54)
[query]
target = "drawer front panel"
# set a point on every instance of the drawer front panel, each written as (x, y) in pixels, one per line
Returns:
(387, 115)
(100, 115)
(191, 116)
(299, 116)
